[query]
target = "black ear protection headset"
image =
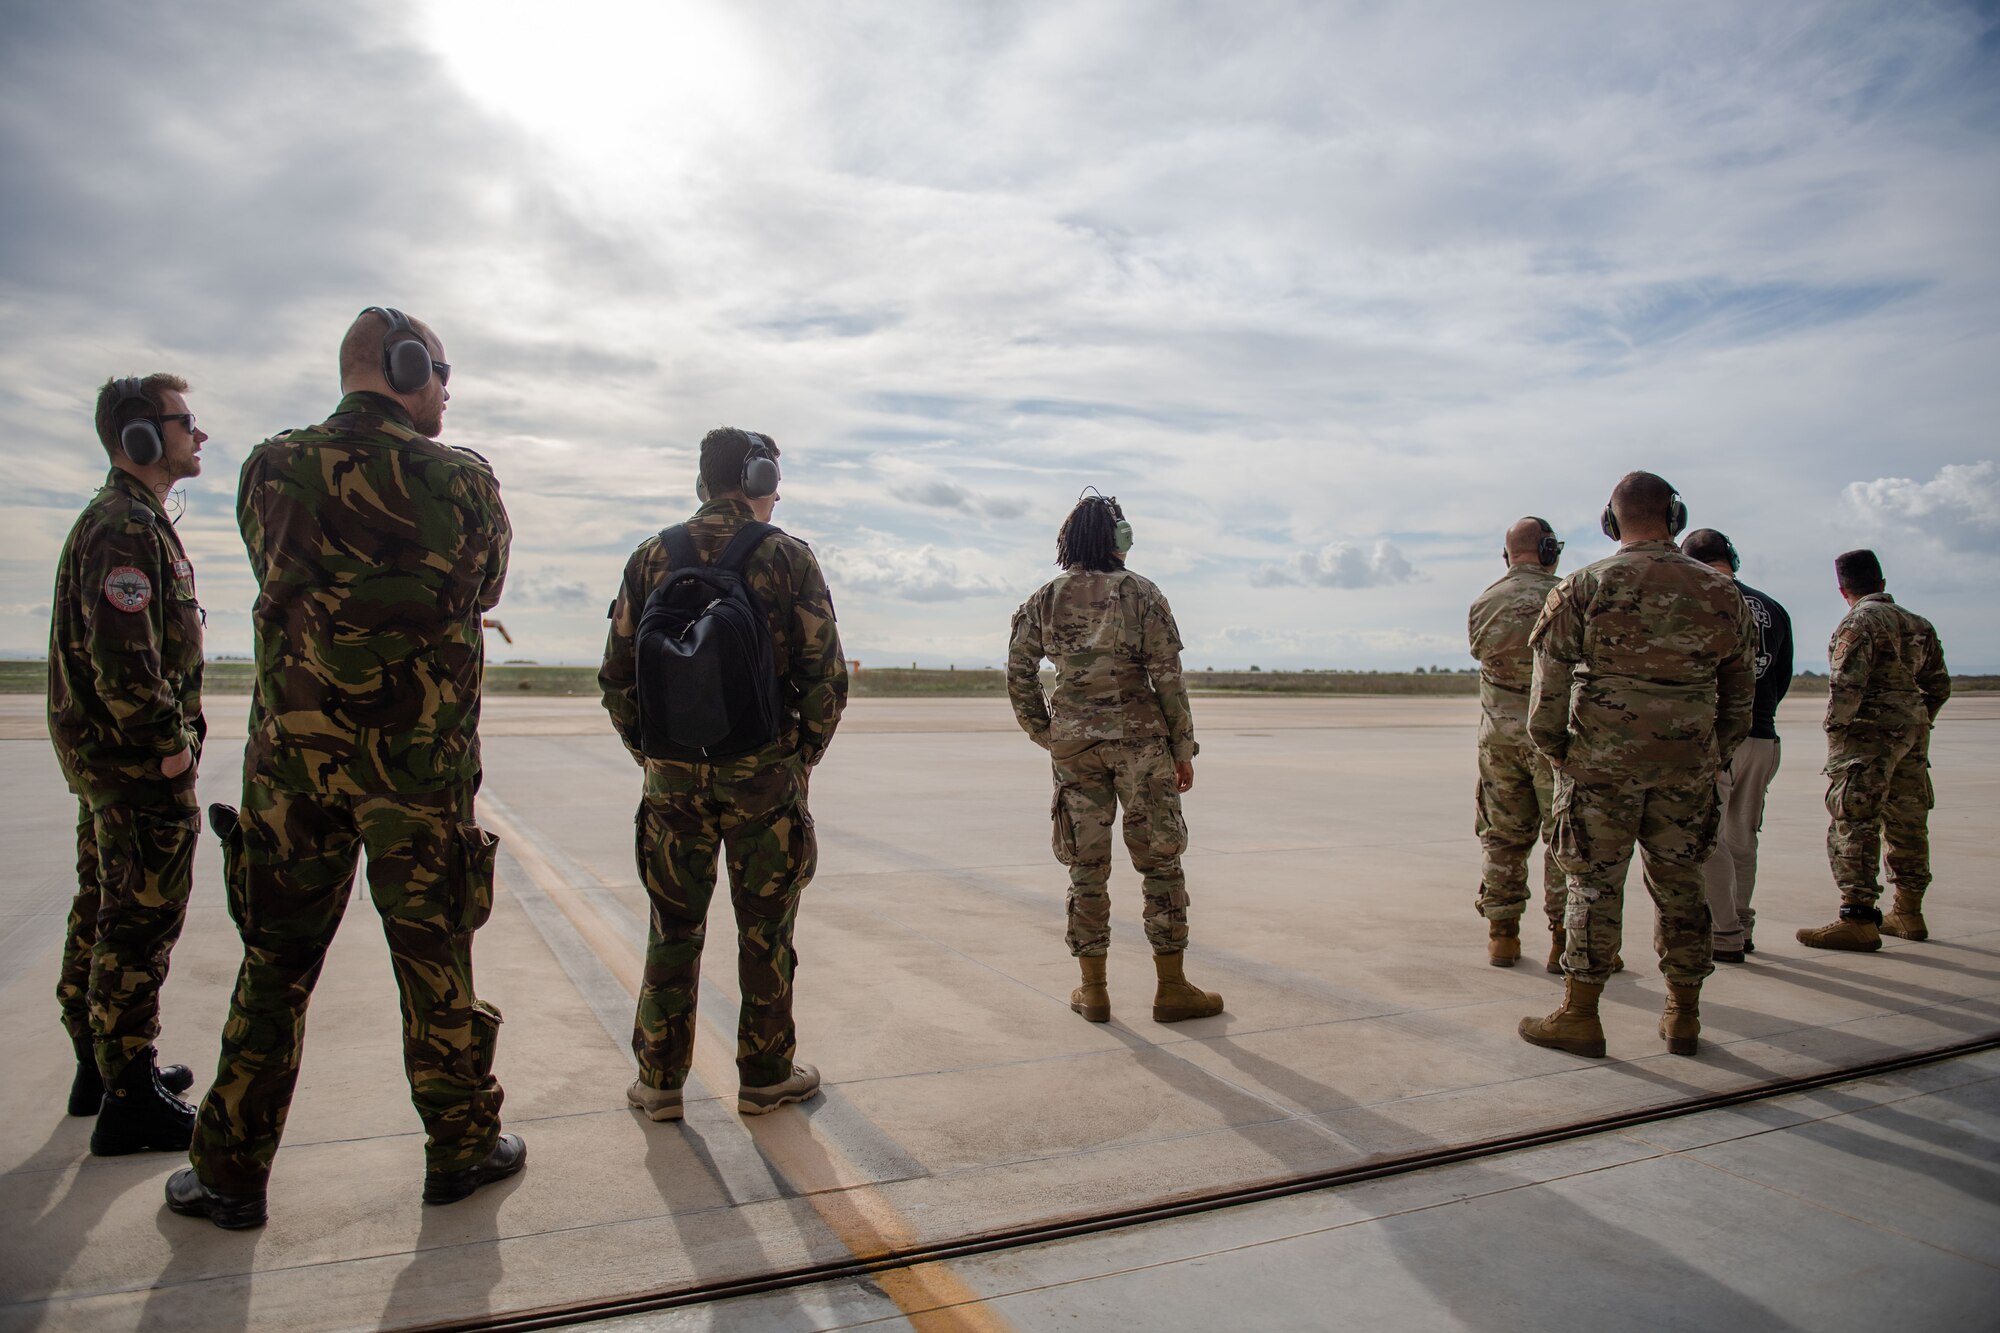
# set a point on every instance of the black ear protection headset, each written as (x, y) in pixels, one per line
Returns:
(1735, 560)
(1121, 531)
(760, 475)
(139, 437)
(1677, 518)
(406, 360)
(1550, 548)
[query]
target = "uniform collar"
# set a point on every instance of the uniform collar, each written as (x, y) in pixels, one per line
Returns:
(1530, 571)
(364, 402)
(1659, 544)
(124, 481)
(726, 505)
(1875, 597)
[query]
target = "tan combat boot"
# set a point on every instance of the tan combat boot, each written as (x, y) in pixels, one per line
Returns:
(1906, 917)
(1681, 1023)
(1174, 999)
(1556, 941)
(1855, 931)
(1574, 1027)
(1091, 999)
(1503, 943)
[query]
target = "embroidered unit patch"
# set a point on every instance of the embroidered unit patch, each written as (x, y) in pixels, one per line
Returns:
(128, 589)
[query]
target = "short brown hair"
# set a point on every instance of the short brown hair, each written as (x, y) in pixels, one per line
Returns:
(723, 451)
(1642, 495)
(115, 411)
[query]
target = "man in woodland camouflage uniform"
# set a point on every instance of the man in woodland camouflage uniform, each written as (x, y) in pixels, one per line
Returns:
(376, 550)
(1512, 798)
(1119, 733)
(1643, 686)
(125, 715)
(1888, 681)
(752, 806)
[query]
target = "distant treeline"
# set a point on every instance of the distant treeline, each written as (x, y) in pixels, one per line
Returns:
(233, 677)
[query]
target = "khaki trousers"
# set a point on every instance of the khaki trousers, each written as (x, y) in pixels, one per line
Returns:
(1730, 875)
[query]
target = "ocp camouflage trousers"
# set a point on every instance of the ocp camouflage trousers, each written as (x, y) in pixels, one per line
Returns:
(1878, 787)
(134, 868)
(288, 865)
(1598, 820)
(1512, 807)
(754, 809)
(1090, 787)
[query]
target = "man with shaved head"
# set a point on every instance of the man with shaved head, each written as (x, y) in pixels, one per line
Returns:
(376, 552)
(1511, 802)
(1643, 687)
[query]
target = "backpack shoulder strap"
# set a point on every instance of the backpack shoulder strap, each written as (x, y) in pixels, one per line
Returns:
(747, 539)
(679, 547)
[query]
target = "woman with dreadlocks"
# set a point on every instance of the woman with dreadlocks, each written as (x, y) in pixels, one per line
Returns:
(1119, 732)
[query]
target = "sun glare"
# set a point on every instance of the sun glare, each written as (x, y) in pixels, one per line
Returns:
(626, 89)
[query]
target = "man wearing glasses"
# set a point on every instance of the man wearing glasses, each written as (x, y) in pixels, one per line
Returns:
(125, 716)
(376, 552)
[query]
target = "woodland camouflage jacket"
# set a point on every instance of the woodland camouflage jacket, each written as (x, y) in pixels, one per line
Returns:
(124, 645)
(376, 551)
(786, 580)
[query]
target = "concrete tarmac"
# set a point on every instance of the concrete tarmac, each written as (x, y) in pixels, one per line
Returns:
(1332, 873)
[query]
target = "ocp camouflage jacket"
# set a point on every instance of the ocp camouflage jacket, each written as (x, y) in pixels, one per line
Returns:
(1644, 667)
(1117, 654)
(1888, 668)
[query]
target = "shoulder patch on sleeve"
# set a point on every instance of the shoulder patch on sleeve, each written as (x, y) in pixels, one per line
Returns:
(128, 588)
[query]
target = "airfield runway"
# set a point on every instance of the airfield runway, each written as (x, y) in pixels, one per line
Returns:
(1332, 871)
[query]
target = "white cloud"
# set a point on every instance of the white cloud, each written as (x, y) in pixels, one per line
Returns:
(1340, 565)
(1960, 506)
(915, 574)
(1267, 271)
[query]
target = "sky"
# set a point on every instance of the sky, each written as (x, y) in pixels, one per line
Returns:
(1327, 294)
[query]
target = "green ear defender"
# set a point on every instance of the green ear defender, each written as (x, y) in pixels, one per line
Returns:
(1121, 536)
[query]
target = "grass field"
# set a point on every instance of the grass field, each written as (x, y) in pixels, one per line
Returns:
(233, 677)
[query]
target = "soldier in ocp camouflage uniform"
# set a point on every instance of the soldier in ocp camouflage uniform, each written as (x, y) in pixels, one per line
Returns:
(753, 807)
(1643, 688)
(1887, 682)
(124, 708)
(376, 551)
(1119, 733)
(1513, 794)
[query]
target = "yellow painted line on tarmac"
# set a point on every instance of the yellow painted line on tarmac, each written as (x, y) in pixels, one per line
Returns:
(931, 1296)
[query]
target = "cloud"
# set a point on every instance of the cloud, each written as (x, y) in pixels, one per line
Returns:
(1340, 565)
(914, 574)
(1960, 506)
(937, 493)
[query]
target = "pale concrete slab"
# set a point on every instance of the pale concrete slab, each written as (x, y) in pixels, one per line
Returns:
(1332, 874)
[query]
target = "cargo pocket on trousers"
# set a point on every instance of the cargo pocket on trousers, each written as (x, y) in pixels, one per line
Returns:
(1849, 792)
(1062, 838)
(228, 828)
(474, 851)
(1565, 837)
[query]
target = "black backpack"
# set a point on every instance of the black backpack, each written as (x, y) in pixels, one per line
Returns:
(708, 681)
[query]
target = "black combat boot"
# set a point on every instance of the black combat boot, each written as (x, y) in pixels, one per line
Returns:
(187, 1196)
(86, 1091)
(503, 1160)
(140, 1115)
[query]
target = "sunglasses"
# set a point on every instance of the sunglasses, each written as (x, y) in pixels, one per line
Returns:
(441, 369)
(185, 418)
